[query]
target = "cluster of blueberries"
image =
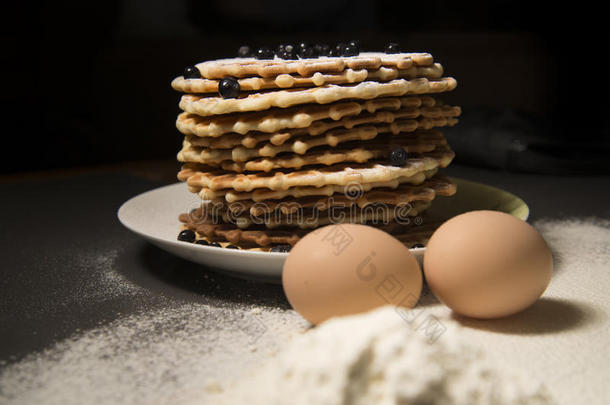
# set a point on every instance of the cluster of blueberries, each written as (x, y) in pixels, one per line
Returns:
(229, 86)
(305, 50)
(189, 236)
(302, 50)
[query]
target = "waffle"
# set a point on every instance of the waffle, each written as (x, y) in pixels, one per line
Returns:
(214, 157)
(358, 152)
(253, 138)
(302, 140)
(283, 81)
(292, 145)
(306, 191)
(326, 158)
(409, 234)
(197, 175)
(207, 106)
(312, 218)
(346, 197)
(277, 119)
(246, 67)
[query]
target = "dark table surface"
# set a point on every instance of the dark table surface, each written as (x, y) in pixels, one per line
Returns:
(60, 228)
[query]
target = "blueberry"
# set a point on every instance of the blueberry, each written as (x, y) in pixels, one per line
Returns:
(305, 51)
(214, 244)
(187, 236)
(350, 50)
(417, 246)
(231, 247)
(264, 53)
(285, 55)
(202, 242)
(285, 47)
(287, 52)
(281, 248)
(392, 48)
(398, 157)
(322, 49)
(244, 51)
(229, 88)
(355, 44)
(339, 48)
(191, 72)
(308, 53)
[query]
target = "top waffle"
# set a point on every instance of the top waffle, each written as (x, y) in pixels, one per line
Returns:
(307, 116)
(244, 67)
(383, 74)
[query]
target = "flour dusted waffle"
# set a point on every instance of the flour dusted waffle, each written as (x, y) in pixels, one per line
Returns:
(250, 67)
(326, 150)
(261, 194)
(347, 76)
(207, 106)
(252, 138)
(197, 175)
(389, 193)
(277, 119)
(330, 138)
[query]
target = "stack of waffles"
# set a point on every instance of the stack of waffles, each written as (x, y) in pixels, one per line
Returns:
(277, 148)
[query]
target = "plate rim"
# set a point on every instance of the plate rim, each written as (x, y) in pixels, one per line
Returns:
(229, 252)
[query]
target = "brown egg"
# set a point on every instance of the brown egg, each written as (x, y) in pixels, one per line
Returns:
(347, 269)
(487, 264)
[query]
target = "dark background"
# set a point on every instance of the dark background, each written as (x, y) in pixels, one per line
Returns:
(91, 86)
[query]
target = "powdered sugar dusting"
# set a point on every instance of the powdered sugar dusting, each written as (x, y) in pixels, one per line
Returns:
(199, 353)
(105, 282)
(577, 235)
(377, 358)
(154, 357)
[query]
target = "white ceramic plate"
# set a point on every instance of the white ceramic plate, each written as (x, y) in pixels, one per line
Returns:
(154, 216)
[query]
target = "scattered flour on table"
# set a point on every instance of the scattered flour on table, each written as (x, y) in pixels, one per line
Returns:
(105, 282)
(192, 353)
(572, 239)
(196, 354)
(158, 357)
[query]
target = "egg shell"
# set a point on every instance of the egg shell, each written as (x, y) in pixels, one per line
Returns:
(487, 264)
(347, 269)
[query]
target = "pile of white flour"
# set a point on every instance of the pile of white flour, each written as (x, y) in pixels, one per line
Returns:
(378, 358)
(196, 353)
